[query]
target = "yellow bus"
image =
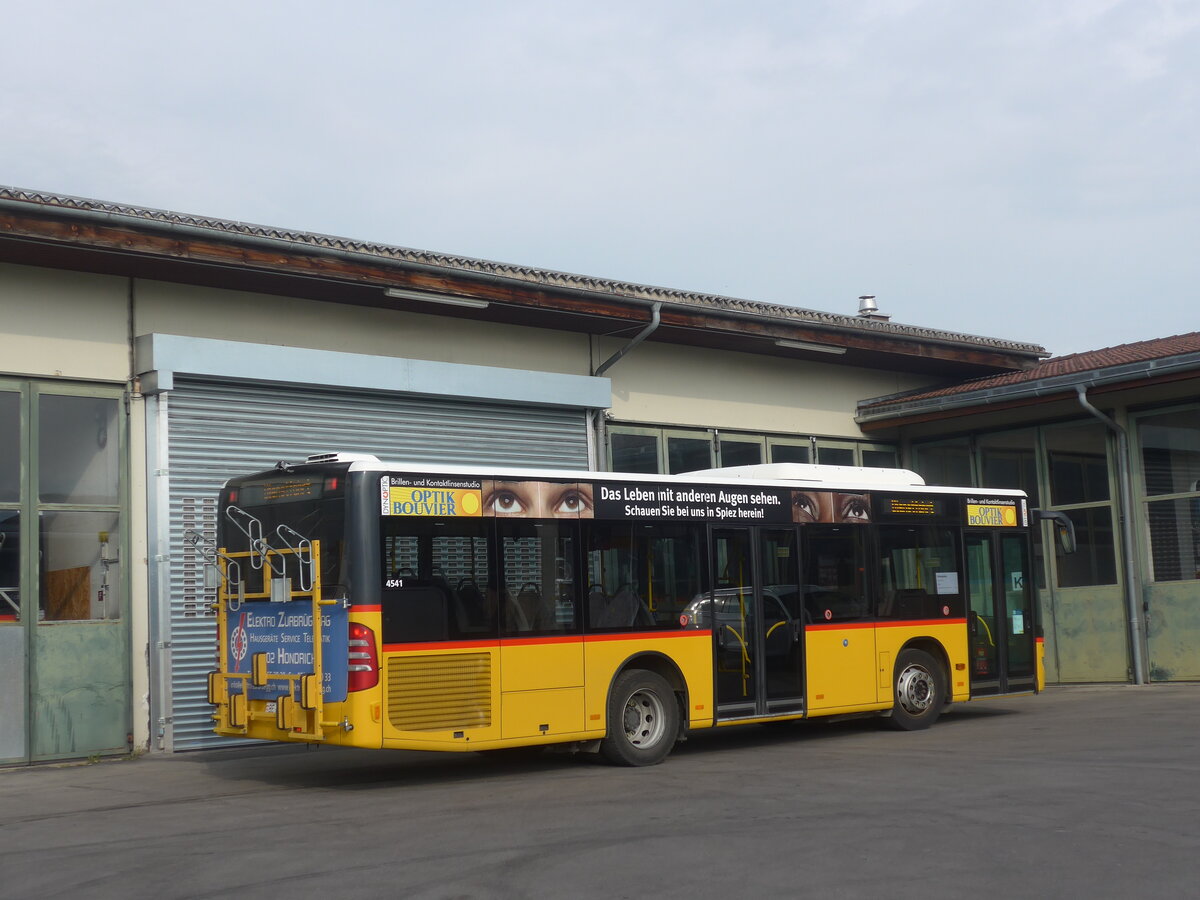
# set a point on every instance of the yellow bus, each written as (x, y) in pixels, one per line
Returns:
(369, 604)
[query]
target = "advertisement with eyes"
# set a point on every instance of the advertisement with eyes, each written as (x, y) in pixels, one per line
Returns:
(831, 506)
(538, 499)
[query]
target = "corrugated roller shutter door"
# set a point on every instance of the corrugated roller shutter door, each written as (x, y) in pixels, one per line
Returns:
(220, 429)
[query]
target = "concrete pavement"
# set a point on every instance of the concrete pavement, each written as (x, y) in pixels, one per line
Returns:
(1081, 792)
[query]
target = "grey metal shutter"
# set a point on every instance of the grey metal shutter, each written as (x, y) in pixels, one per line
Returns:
(217, 429)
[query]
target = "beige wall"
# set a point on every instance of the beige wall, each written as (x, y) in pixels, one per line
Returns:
(657, 383)
(672, 385)
(261, 318)
(139, 574)
(58, 324)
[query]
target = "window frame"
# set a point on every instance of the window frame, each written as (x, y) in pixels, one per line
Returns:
(766, 441)
(120, 507)
(1144, 499)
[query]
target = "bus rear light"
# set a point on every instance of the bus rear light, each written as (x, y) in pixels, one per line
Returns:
(363, 660)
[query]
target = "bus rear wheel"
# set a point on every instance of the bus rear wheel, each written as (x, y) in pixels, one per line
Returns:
(920, 690)
(643, 719)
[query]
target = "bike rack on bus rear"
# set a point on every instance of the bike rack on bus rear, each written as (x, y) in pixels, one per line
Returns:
(298, 712)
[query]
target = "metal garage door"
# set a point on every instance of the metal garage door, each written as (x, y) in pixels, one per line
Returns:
(218, 429)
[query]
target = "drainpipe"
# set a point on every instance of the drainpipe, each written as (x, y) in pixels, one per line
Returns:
(1132, 581)
(596, 432)
(655, 318)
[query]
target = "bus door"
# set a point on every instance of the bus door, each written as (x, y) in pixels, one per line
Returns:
(756, 620)
(1001, 622)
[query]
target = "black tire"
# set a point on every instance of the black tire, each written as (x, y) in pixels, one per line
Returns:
(643, 719)
(919, 686)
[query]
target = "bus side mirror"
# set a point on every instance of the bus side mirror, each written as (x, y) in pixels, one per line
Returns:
(1064, 530)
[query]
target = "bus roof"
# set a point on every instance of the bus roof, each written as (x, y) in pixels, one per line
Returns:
(847, 478)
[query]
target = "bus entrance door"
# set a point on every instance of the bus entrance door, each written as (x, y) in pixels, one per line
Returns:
(757, 625)
(1001, 624)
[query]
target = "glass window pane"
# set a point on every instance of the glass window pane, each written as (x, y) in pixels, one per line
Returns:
(740, 453)
(790, 453)
(688, 454)
(1078, 461)
(1095, 559)
(828, 455)
(1171, 452)
(1175, 539)
(10, 566)
(10, 447)
(80, 572)
(642, 577)
(77, 449)
(879, 459)
(437, 580)
(918, 572)
(945, 464)
(834, 583)
(1009, 460)
(634, 452)
(1018, 601)
(981, 594)
(538, 576)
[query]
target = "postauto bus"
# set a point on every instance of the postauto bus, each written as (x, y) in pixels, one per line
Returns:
(373, 604)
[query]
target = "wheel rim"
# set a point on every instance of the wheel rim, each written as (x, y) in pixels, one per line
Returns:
(643, 719)
(915, 689)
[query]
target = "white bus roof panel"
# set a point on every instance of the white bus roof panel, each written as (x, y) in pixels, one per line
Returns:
(814, 474)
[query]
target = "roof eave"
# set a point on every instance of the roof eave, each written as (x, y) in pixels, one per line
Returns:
(850, 330)
(873, 412)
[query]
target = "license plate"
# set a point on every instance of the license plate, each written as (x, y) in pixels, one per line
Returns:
(270, 706)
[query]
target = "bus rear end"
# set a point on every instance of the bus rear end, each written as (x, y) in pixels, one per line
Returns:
(296, 662)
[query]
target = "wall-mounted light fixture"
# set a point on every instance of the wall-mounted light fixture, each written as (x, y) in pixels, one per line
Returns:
(815, 348)
(445, 299)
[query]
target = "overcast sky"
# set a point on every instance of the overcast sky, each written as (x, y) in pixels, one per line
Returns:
(1022, 170)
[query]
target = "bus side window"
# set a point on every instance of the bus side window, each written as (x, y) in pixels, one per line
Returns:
(538, 574)
(432, 575)
(641, 577)
(834, 585)
(919, 572)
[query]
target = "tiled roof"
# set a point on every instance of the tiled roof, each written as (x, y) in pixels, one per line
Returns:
(1074, 364)
(541, 277)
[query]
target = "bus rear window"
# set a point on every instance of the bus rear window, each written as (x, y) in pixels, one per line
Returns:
(313, 519)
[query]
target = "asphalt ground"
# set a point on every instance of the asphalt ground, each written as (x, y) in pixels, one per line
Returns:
(1080, 792)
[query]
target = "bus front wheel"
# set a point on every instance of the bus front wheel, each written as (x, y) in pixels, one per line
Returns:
(920, 690)
(643, 719)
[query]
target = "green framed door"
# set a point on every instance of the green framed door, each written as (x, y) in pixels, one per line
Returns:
(64, 635)
(79, 661)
